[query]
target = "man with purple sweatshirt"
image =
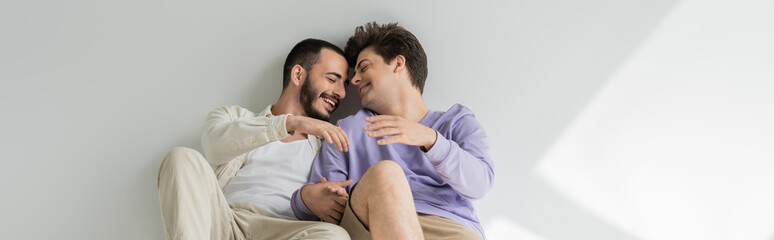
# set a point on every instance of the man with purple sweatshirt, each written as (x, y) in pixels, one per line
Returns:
(416, 170)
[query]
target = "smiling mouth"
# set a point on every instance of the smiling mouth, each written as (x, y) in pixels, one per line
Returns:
(363, 89)
(330, 102)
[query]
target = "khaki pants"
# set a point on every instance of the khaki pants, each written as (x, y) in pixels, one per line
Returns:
(433, 227)
(193, 207)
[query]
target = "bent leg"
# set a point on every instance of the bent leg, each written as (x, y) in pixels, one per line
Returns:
(382, 201)
(192, 203)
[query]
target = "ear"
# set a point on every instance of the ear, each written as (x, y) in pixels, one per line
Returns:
(400, 63)
(297, 75)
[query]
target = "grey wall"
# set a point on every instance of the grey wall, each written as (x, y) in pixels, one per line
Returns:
(93, 94)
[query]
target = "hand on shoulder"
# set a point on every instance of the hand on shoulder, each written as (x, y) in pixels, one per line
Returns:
(332, 134)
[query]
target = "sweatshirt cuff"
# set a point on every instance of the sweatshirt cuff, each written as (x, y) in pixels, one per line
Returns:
(299, 208)
(440, 150)
(277, 128)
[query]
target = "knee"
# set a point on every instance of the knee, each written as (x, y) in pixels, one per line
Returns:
(179, 158)
(388, 167)
(180, 152)
(386, 170)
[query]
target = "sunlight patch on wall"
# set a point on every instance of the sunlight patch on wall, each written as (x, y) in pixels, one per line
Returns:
(680, 143)
(502, 228)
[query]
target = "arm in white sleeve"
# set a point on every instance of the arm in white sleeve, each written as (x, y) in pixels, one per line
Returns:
(229, 132)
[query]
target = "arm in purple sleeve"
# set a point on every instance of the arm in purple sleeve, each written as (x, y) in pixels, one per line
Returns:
(328, 163)
(299, 208)
(463, 161)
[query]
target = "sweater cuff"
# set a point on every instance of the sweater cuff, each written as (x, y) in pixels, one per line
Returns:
(277, 128)
(440, 150)
(299, 208)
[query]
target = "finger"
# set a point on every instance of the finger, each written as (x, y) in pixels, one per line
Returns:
(336, 140)
(336, 215)
(338, 220)
(327, 137)
(335, 212)
(341, 201)
(385, 132)
(322, 179)
(342, 183)
(343, 134)
(328, 219)
(381, 124)
(342, 140)
(390, 140)
(342, 192)
(339, 208)
(380, 118)
(341, 137)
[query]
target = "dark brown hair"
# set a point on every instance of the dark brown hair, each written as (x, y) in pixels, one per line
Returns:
(389, 41)
(305, 53)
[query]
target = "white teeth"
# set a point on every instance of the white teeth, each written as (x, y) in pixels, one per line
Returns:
(329, 101)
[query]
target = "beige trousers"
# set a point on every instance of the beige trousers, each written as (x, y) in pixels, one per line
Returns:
(193, 207)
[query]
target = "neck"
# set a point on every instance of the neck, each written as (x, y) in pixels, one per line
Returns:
(288, 103)
(408, 105)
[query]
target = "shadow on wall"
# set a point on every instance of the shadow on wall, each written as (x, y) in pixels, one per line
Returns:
(350, 105)
(531, 202)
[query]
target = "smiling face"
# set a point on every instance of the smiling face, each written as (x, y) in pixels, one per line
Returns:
(375, 80)
(324, 85)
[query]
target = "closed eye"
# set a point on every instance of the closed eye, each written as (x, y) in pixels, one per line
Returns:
(332, 76)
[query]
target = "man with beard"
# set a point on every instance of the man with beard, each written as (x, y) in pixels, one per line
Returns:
(417, 170)
(259, 159)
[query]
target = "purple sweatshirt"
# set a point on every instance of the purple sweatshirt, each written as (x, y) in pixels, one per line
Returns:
(443, 180)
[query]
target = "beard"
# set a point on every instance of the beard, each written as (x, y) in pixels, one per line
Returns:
(307, 97)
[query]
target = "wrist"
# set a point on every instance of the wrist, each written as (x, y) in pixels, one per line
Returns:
(290, 123)
(432, 137)
(304, 194)
(301, 209)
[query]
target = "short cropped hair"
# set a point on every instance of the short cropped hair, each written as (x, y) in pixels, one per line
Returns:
(306, 54)
(389, 41)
